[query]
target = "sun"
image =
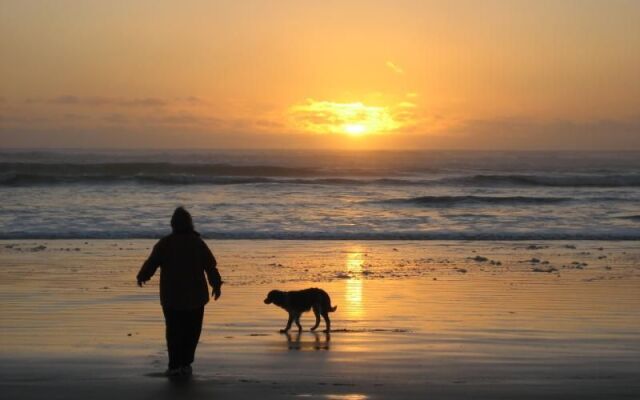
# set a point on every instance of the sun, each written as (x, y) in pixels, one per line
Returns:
(354, 129)
(355, 119)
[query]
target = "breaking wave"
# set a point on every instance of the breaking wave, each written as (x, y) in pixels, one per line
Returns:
(26, 174)
(450, 201)
(631, 180)
(328, 235)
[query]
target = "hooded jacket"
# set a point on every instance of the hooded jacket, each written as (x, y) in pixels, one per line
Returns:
(184, 259)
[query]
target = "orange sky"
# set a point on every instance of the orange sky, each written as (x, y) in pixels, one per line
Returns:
(331, 74)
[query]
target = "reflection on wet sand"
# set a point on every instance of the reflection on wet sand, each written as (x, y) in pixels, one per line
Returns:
(353, 290)
(351, 396)
(294, 341)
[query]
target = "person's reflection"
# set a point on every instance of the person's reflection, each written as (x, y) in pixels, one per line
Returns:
(294, 342)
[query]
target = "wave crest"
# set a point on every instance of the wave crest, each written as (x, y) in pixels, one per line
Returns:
(630, 180)
(16, 173)
(450, 201)
(325, 235)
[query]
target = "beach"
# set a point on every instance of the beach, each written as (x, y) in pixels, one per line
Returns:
(461, 178)
(415, 319)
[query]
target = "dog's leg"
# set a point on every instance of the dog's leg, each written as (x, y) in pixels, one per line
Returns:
(298, 322)
(289, 322)
(316, 311)
(327, 320)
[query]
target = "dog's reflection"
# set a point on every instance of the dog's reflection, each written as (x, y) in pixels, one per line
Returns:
(295, 343)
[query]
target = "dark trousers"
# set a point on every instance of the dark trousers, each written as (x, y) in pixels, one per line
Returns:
(183, 333)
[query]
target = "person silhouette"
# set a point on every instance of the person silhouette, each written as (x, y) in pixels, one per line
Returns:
(184, 259)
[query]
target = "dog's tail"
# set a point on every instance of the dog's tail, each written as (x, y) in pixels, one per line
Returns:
(327, 302)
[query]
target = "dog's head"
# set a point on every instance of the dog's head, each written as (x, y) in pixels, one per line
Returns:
(275, 296)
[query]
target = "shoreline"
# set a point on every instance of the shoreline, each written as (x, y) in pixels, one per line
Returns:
(392, 238)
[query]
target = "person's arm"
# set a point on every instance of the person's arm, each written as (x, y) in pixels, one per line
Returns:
(150, 266)
(213, 276)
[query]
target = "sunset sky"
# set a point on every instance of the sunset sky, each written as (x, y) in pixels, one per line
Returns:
(320, 74)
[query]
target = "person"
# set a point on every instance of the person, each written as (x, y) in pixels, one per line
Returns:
(184, 259)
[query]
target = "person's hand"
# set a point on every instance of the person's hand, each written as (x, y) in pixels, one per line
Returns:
(216, 293)
(140, 282)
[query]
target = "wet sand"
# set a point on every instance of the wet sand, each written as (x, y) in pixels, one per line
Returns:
(414, 320)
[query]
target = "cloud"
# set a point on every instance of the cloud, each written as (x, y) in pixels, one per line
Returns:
(93, 120)
(97, 101)
(73, 117)
(394, 67)
(109, 101)
(194, 100)
(116, 118)
(498, 134)
(527, 134)
(185, 119)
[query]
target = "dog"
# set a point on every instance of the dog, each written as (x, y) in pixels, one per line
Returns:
(300, 301)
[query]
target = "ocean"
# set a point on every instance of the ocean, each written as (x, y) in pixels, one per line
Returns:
(318, 195)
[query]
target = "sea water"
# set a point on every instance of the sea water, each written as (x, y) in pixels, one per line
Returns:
(322, 194)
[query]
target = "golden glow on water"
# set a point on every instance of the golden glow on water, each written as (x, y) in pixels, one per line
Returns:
(353, 289)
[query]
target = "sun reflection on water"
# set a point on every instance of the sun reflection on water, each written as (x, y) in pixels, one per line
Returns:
(353, 290)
